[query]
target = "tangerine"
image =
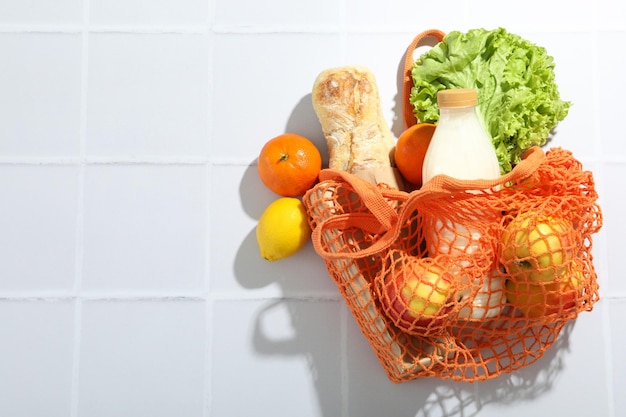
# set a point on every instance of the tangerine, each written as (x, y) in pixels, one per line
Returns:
(411, 149)
(289, 164)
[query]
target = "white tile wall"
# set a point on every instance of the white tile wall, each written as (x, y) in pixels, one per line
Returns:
(144, 228)
(142, 357)
(147, 95)
(38, 223)
(42, 12)
(130, 279)
(36, 357)
(137, 13)
(40, 80)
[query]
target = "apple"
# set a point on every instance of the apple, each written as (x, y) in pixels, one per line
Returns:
(416, 293)
(537, 248)
(541, 299)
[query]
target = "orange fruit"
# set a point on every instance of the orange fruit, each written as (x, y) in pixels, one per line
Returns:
(289, 164)
(411, 149)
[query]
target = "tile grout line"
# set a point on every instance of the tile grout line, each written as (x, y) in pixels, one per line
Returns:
(345, 374)
(196, 160)
(78, 308)
(28, 296)
(183, 297)
(599, 177)
(234, 29)
(599, 154)
(208, 315)
(344, 378)
(80, 29)
(208, 300)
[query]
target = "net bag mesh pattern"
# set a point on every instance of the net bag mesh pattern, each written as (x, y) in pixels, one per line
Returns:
(461, 280)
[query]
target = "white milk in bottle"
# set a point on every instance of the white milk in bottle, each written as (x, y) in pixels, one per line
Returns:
(462, 148)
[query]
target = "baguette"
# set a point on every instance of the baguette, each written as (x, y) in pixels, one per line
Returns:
(347, 103)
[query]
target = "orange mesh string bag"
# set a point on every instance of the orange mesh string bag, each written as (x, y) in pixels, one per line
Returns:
(461, 280)
(421, 39)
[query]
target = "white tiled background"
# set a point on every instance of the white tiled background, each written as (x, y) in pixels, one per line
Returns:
(130, 280)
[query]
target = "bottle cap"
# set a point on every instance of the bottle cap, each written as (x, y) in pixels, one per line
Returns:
(457, 97)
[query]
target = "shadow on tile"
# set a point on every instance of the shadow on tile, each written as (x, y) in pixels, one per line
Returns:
(303, 121)
(371, 394)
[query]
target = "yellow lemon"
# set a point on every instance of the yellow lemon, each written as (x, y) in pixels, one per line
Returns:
(283, 229)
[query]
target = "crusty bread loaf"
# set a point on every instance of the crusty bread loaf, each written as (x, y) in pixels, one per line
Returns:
(347, 103)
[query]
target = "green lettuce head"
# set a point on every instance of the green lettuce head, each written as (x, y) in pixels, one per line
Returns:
(517, 95)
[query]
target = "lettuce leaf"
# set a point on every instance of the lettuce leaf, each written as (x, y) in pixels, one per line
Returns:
(518, 98)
